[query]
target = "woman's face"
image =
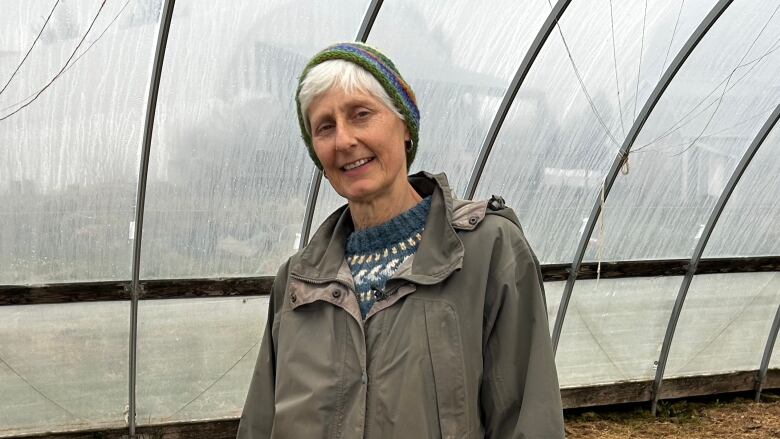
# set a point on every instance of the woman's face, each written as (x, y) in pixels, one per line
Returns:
(360, 144)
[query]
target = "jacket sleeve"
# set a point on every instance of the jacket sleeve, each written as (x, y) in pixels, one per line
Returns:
(258, 416)
(519, 396)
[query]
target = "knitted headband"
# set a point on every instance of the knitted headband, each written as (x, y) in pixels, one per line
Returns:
(381, 68)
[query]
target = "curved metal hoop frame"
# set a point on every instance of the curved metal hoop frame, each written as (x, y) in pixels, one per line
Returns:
(622, 154)
(770, 344)
(699, 250)
(151, 107)
(511, 93)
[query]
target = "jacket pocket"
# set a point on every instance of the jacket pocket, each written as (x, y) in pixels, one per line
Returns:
(446, 349)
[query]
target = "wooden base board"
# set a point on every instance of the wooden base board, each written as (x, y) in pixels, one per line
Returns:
(608, 394)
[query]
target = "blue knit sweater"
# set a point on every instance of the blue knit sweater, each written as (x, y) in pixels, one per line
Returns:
(374, 254)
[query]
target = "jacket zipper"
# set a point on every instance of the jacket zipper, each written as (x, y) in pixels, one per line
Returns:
(364, 366)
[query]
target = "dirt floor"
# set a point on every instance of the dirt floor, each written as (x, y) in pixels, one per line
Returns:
(725, 417)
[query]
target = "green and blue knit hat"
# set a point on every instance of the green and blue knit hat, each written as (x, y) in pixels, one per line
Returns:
(381, 68)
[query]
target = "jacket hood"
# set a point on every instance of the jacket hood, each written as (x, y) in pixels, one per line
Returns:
(440, 252)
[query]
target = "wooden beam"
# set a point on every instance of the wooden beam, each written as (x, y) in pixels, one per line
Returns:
(607, 394)
(64, 293)
(683, 387)
(641, 391)
(669, 267)
(225, 429)
(193, 288)
(618, 393)
(261, 285)
(150, 289)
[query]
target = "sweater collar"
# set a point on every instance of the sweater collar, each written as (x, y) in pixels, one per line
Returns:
(398, 229)
(440, 252)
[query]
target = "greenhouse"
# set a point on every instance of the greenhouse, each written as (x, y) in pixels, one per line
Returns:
(153, 179)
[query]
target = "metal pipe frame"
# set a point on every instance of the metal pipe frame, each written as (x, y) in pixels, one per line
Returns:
(316, 179)
(151, 107)
(622, 156)
(506, 103)
(311, 204)
(770, 344)
(699, 250)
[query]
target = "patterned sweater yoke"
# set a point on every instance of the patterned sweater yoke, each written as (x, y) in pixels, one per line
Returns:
(374, 254)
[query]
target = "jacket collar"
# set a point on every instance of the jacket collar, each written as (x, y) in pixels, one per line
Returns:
(440, 252)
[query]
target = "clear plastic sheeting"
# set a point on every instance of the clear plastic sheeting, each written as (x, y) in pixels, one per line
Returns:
(574, 109)
(63, 367)
(614, 329)
(774, 362)
(459, 77)
(229, 173)
(71, 121)
(748, 225)
(327, 202)
(694, 139)
(724, 324)
(196, 357)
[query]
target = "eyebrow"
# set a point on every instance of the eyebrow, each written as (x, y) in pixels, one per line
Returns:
(350, 104)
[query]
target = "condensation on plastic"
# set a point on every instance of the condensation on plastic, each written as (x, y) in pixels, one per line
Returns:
(69, 160)
(694, 139)
(554, 151)
(63, 367)
(724, 324)
(196, 357)
(614, 329)
(459, 58)
(229, 172)
(749, 225)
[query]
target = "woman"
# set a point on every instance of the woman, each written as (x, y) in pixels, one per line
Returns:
(410, 314)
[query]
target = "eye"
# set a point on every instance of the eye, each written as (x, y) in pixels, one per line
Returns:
(362, 113)
(323, 128)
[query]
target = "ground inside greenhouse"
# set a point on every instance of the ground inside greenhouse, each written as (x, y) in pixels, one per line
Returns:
(717, 417)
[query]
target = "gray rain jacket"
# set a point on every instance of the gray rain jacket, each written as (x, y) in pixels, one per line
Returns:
(460, 348)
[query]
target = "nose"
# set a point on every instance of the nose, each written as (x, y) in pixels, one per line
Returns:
(345, 136)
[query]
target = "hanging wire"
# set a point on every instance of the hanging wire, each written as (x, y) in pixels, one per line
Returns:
(671, 40)
(39, 391)
(582, 85)
(715, 334)
(219, 378)
(598, 342)
(81, 41)
(762, 116)
(681, 122)
(37, 37)
(76, 60)
(726, 88)
(641, 55)
(614, 59)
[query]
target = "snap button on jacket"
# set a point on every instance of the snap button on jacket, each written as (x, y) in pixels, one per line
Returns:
(458, 347)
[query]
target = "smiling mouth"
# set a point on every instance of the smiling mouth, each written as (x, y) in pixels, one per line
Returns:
(356, 164)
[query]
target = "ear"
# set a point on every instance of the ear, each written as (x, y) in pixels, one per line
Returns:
(407, 136)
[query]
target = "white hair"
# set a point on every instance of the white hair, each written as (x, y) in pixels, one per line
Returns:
(348, 76)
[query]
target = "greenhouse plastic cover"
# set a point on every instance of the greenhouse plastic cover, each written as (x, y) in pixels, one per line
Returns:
(229, 179)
